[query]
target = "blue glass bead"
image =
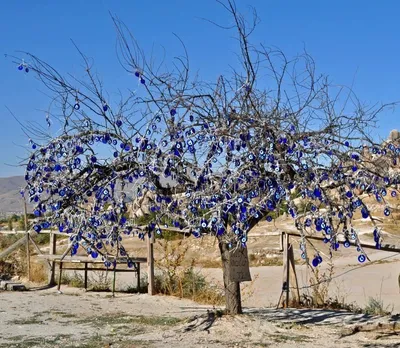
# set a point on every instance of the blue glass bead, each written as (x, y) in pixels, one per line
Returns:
(317, 192)
(94, 254)
(26, 69)
(386, 212)
(172, 112)
(346, 244)
(77, 106)
(142, 81)
(268, 218)
(315, 262)
(361, 258)
(20, 67)
(393, 193)
(105, 107)
(118, 123)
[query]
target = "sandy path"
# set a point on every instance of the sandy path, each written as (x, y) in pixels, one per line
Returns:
(352, 281)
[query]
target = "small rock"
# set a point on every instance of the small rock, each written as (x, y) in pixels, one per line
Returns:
(15, 287)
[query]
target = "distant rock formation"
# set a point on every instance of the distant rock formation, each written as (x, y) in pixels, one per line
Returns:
(394, 135)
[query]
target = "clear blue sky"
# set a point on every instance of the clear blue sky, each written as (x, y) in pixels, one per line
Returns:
(348, 39)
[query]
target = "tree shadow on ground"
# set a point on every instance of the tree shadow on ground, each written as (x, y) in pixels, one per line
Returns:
(41, 287)
(317, 316)
(202, 322)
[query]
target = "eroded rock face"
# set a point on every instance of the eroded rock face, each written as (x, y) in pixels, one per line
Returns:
(394, 135)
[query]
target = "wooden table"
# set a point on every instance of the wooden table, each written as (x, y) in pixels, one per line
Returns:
(86, 260)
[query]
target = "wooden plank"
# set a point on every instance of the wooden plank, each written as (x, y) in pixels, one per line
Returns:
(118, 270)
(41, 232)
(267, 234)
(48, 264)
(88, 259)
(14, 246)
(239, 269)
(12, 232)
(384, 247)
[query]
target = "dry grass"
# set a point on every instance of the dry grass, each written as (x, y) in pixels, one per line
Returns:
(178, 277)
(38, 273)
(258, 259)
(209, 263)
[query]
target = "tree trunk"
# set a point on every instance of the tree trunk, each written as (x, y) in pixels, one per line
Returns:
(232, 289)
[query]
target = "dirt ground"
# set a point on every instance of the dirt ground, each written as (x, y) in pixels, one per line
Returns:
(74, 318)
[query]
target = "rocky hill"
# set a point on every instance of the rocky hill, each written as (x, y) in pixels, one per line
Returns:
(10, 198)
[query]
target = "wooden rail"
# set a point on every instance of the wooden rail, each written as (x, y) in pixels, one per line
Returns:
(52, 258)
(85, 260)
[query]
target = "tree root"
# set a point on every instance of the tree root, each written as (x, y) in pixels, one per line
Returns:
(382, 330)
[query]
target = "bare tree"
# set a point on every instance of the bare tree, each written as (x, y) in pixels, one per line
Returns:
(218, 157)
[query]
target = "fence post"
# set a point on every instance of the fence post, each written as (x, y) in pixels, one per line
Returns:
(52, 251)
(287, 245)
(28, 252)
(284, 298)
(293, 277)
(150, 263)
(28, 257)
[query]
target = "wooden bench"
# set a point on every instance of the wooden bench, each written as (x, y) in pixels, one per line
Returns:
(86, 260)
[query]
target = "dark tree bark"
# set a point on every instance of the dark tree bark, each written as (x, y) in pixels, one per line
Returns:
(232, 289)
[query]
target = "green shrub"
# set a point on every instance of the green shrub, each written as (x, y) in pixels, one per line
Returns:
(375, 306)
